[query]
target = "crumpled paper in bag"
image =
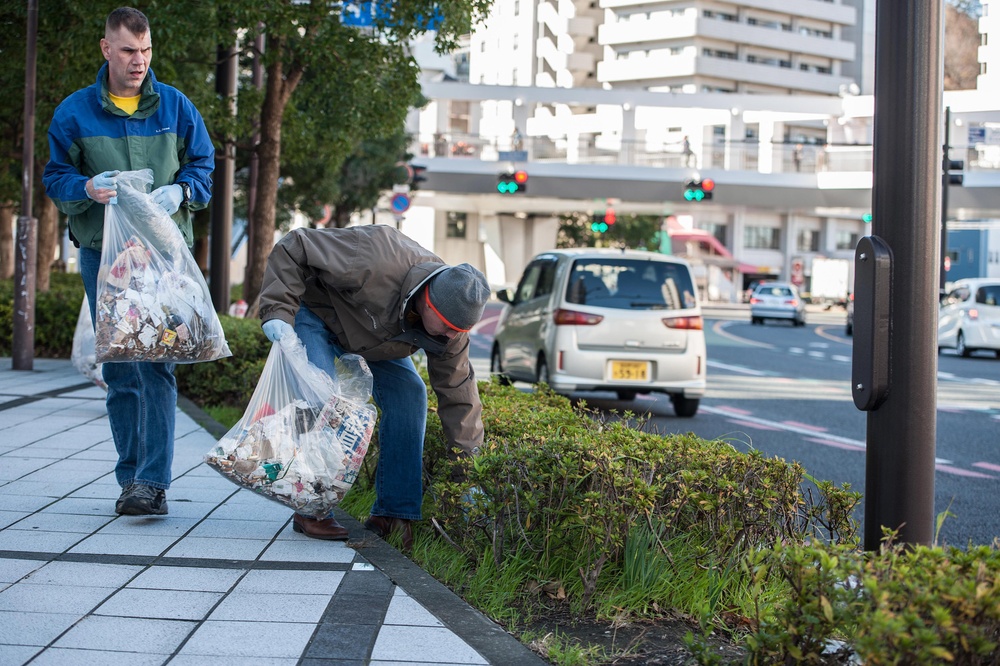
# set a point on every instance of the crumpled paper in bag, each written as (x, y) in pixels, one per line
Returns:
(152, 301)
(301, 441)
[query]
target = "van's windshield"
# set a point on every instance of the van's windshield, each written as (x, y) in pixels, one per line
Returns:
(630, 284)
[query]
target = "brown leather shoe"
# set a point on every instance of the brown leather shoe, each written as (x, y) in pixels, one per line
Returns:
(317, 528)
(386, 525)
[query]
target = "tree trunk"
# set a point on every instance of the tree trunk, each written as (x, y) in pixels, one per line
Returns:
(48, 239)
(6, 240)
(200, 252)
(278, 90)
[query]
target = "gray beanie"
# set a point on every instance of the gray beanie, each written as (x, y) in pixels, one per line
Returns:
(458, 294)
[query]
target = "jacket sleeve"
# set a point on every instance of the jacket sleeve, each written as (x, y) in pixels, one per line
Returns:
(198, 160)
(63, 182)
(461, 412)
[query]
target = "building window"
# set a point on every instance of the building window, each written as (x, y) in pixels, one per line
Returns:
(717, 53)
(762, 238)
(846, 240)
(457, 224)
(808, 240)
(716, 230)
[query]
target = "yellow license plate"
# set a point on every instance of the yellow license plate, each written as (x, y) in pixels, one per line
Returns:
(630, 370)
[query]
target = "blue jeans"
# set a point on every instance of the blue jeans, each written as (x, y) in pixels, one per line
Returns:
(142, 404)
(401, 395)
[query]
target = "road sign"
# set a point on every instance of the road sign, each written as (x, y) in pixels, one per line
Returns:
(400, 202)
(512, 155)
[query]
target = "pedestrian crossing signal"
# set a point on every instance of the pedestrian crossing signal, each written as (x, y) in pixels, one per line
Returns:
(513, 182)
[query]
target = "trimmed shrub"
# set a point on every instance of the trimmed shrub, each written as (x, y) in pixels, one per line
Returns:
(569, 489)
(902, 605)
(229, 381)
(56, 312)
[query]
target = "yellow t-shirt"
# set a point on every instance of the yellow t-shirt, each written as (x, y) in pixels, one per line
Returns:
(126, 104)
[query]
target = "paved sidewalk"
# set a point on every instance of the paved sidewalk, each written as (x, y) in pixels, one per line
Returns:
(221, 580)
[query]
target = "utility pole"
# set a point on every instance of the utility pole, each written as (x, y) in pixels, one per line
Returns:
(25, 260)
(895, 304)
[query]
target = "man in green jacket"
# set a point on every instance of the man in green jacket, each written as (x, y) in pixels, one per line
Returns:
(371, 290)
(127, 121)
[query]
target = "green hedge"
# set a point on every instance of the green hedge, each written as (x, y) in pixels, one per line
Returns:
(56, 312)
(229, 381)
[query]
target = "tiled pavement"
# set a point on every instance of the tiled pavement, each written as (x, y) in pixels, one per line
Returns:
(221, 580)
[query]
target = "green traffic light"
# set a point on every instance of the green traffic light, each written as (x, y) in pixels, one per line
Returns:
(694, 195)
(867, 218)
(507, 187)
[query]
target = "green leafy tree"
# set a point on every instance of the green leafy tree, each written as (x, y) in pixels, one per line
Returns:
(360, 83)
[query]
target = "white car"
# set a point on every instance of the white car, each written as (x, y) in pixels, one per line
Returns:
(969, 318)
(777, 300)
(587, 319)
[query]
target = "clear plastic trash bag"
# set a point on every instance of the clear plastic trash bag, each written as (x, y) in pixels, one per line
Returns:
(304, 435)
(152, 301)
(83, 355)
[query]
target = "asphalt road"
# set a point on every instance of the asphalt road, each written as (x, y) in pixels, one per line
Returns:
(786, 392)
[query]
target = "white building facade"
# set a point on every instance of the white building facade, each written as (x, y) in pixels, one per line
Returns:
(600, 95)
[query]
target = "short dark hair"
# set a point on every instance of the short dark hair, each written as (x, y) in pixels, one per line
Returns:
(133, 20)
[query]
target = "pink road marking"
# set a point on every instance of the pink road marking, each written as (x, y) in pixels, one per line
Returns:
(836, 445)
(961, 472)
(748, 424)
(986, 465)
(805, 426)
(734, 410)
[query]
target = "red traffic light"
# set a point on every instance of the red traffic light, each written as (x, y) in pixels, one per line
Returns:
(520, 177)
(609, 216)
(707, 184)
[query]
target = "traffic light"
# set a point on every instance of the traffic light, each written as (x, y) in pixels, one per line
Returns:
(513, 182)
(601, 222)
(418, 175)
(699, 190)
(955, 175)
(867, 218)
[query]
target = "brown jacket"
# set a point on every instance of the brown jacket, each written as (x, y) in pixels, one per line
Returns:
(360, 282)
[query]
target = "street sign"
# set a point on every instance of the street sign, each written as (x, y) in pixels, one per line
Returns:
(512, 155)
(400, 202)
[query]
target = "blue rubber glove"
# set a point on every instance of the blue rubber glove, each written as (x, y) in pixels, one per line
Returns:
(169, 198)
(103, 181)
(275, 329)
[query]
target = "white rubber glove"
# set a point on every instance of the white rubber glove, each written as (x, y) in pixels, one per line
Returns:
(103, 181)
(169, 198)
(275, 329)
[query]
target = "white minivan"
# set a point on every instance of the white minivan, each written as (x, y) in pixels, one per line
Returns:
(625, 321)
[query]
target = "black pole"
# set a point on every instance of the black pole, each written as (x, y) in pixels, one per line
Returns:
(257, 79)
(25, 260)
(899, 485)
(945, 178)
(223, 182)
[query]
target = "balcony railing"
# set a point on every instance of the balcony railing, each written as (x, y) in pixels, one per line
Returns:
(728, 155)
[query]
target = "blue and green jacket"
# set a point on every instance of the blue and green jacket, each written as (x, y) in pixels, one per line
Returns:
(90, 135)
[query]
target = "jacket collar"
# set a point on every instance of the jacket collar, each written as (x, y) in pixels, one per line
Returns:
(149, 99)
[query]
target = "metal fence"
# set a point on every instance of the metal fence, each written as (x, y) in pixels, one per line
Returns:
(728, 155)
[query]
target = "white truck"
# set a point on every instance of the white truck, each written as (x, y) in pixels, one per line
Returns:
(829, 282)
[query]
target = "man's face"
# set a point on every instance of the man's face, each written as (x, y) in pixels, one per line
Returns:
(433, 324)
(128, 59)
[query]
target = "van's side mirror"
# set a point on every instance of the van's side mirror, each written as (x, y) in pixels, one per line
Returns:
(504, 295)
